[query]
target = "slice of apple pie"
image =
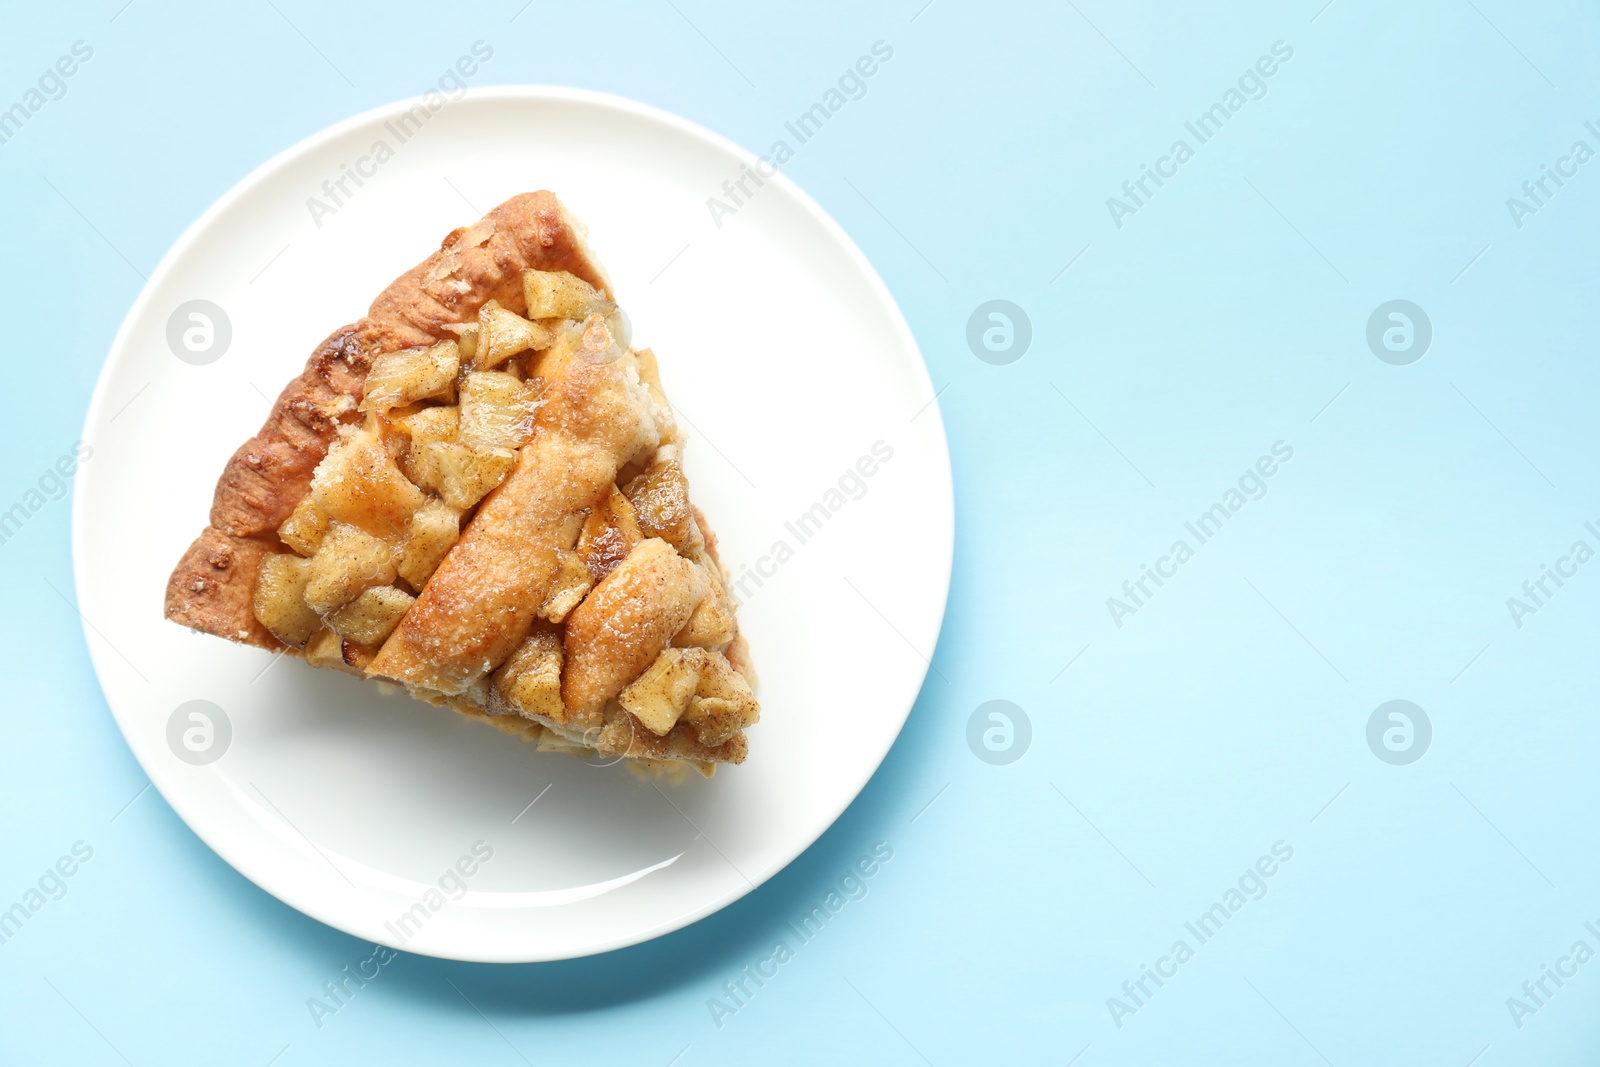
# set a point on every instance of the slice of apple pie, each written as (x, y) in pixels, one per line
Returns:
(477, 492)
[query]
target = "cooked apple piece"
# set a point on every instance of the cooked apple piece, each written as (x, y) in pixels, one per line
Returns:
(436, 423)
(660, 696)
(420, 429)
(430, 537)
(280, 599)
(398, 378)
(609, 534)
(572, 584)
(530, 681)
(371, 617)
(722, 704)
(465, 475)
(358, 483)
(556, 294)
(503, 334)
(305, 526)
(712, 625)
(349, 561)
(357, 656)
(496, 411)
(326, 649)
(719, 719)
(387, 425)
(660, 498)
(466, 339)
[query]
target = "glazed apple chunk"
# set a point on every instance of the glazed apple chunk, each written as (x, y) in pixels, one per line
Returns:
(694, 686)
(412, 374)
(502, 334)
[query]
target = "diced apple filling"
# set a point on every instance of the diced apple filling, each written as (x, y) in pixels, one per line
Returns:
(349, 562)
(496, 411)
(326, 649)
(609, 533)
(503, 334)
(723, 703)
(466, 339)
(464, 475)
(358, 483)
(560, 295)
(530, 681)
(280, 599)
(660, 498)
(435, 526)
(304, 528)
(711, 626)
(399, 378)
(372, 616)
(659, 697)
(572, 584)
(696, 686)
(423, 428)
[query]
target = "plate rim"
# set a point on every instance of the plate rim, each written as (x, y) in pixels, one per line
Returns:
(306, 900)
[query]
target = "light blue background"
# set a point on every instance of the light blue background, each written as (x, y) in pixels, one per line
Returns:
(1223, 717)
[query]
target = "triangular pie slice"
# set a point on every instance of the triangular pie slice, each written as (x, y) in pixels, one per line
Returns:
(477, 492)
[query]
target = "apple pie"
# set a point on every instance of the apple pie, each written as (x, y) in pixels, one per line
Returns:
(476, 492)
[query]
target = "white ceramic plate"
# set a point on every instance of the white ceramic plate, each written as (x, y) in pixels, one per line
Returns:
(781, 349)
